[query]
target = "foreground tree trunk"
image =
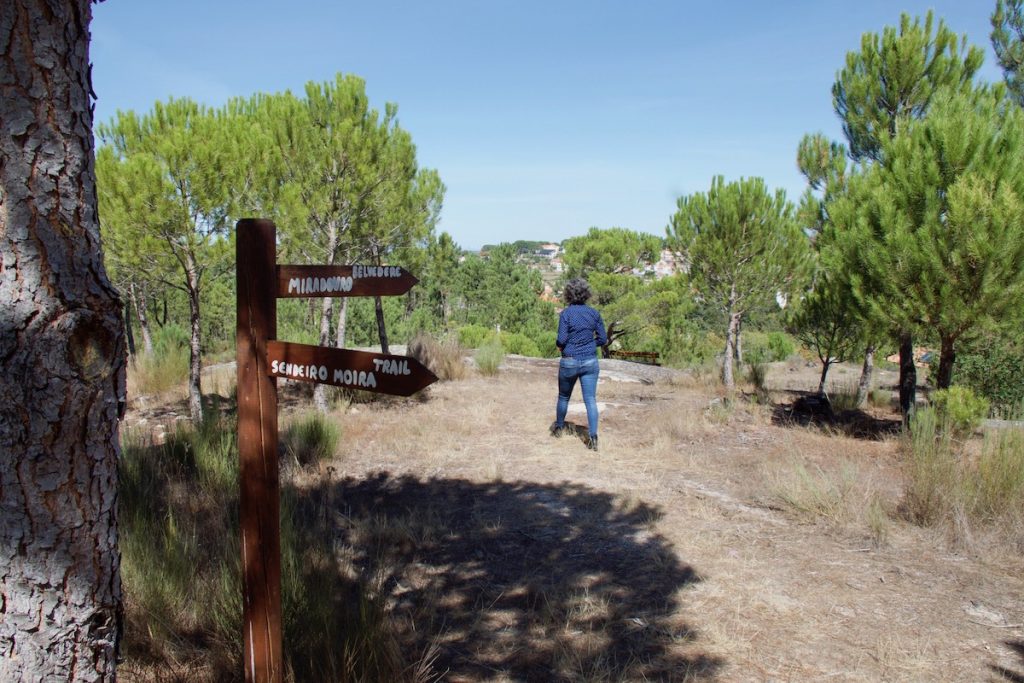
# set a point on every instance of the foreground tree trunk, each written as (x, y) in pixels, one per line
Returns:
(825, 365)
(866, 372)
(62, 340)
(195, 360)
(947, 356)
(141, 303)
(908, 376)
(730, 349)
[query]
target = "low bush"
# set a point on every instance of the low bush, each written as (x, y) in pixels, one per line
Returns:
(960, 408)
(310, 438)
(473, 336)
(519, 344)
(489, 357)
(994, 368)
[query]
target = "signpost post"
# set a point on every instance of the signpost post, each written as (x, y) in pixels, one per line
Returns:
(261, 360)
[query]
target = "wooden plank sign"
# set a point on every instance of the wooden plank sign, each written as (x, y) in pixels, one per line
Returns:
(261, 360)
(377, 372)
(356, 280)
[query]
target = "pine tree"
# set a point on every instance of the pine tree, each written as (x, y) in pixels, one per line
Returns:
(743, 247)
(1008, 43)
(889, 83)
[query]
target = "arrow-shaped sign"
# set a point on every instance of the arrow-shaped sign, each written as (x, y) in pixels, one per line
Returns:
(357, 280)
(378, 372)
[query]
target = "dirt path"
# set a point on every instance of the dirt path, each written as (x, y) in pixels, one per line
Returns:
(510, 555)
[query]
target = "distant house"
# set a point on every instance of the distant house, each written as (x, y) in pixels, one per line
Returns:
(549, 250)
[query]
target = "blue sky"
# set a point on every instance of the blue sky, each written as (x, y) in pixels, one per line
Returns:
(543, 118)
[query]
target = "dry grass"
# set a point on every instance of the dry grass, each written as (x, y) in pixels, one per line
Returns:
(706, 541)
(443, 358)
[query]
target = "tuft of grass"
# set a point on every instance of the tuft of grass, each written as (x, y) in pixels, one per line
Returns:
(818, 493)
(311, 438)
(443, 358)
(946, 484)
(757, 375)
(489, 357)
(843, 395)
(156, 373)
(181, 568)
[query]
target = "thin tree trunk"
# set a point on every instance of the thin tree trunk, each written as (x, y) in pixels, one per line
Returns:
(730, 350)
(339, 338)
(326, 310)
(141, 304)
(62, 340)
(947, 356)
(908, 376)
(381, 331)
(867, 370)
(195, 363)
(825, 365)
(128, 329)
(739, 343)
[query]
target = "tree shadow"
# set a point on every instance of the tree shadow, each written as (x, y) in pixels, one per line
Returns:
(808, 408)
(535, 582)
(1010, 675)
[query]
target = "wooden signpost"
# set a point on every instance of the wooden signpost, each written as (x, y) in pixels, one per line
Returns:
(261, 360)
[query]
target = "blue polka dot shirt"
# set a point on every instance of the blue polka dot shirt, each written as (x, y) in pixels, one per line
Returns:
(579, 326)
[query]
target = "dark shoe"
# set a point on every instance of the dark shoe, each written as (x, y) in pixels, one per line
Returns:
(557, 431)
(592, 443)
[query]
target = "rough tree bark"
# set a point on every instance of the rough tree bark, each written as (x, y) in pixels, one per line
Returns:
(908, 376)
(62, 340)
(947, 356)
(195, 361)
(730, 349)
(326, 310)
(866, 372)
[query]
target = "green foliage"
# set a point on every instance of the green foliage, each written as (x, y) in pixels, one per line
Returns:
(893, 78)
(960, 408)
(935, 236)
(519, 344)
(310, 438)
(744, 248)
(498, 290)
(770, 347)
(473, 336)
(993, 366)
(1008, 43)
(489, 357)
(165, 368)
(612, 250)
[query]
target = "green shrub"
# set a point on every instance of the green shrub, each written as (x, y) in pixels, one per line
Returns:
(473, 336)
(780, 346)
(519, 344)
(547, 344)
(960, 408)
(993, 368)
(311, 438)
(932, 470)
(489, 357)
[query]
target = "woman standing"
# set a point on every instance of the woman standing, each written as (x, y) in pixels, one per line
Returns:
(580, 331)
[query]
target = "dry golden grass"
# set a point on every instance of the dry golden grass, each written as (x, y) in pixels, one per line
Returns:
(706, 540)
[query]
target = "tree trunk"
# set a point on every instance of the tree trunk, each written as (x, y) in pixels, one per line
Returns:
(141, 302)
(866, 372)
(908, 376)
(730, 349)
(62, 341)
(739, 343)
(195, 361)
(339, 338)
(947, 356)
(326, 310)
(825, 365)
(128, 329)
(381, 331)
(320, 390)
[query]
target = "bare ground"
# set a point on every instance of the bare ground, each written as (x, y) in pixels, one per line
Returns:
(707, 540)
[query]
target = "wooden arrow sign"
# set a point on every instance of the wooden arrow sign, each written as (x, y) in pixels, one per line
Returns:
(377, 372)
(357, 280)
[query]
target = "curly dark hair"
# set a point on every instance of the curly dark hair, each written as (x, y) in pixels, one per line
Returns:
(577, 291)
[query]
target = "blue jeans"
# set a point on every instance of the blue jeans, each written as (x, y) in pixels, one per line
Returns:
(586, 371)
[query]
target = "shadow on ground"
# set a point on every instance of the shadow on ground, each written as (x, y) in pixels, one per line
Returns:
(518, 580)
(1015, 676)
(807, 408)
